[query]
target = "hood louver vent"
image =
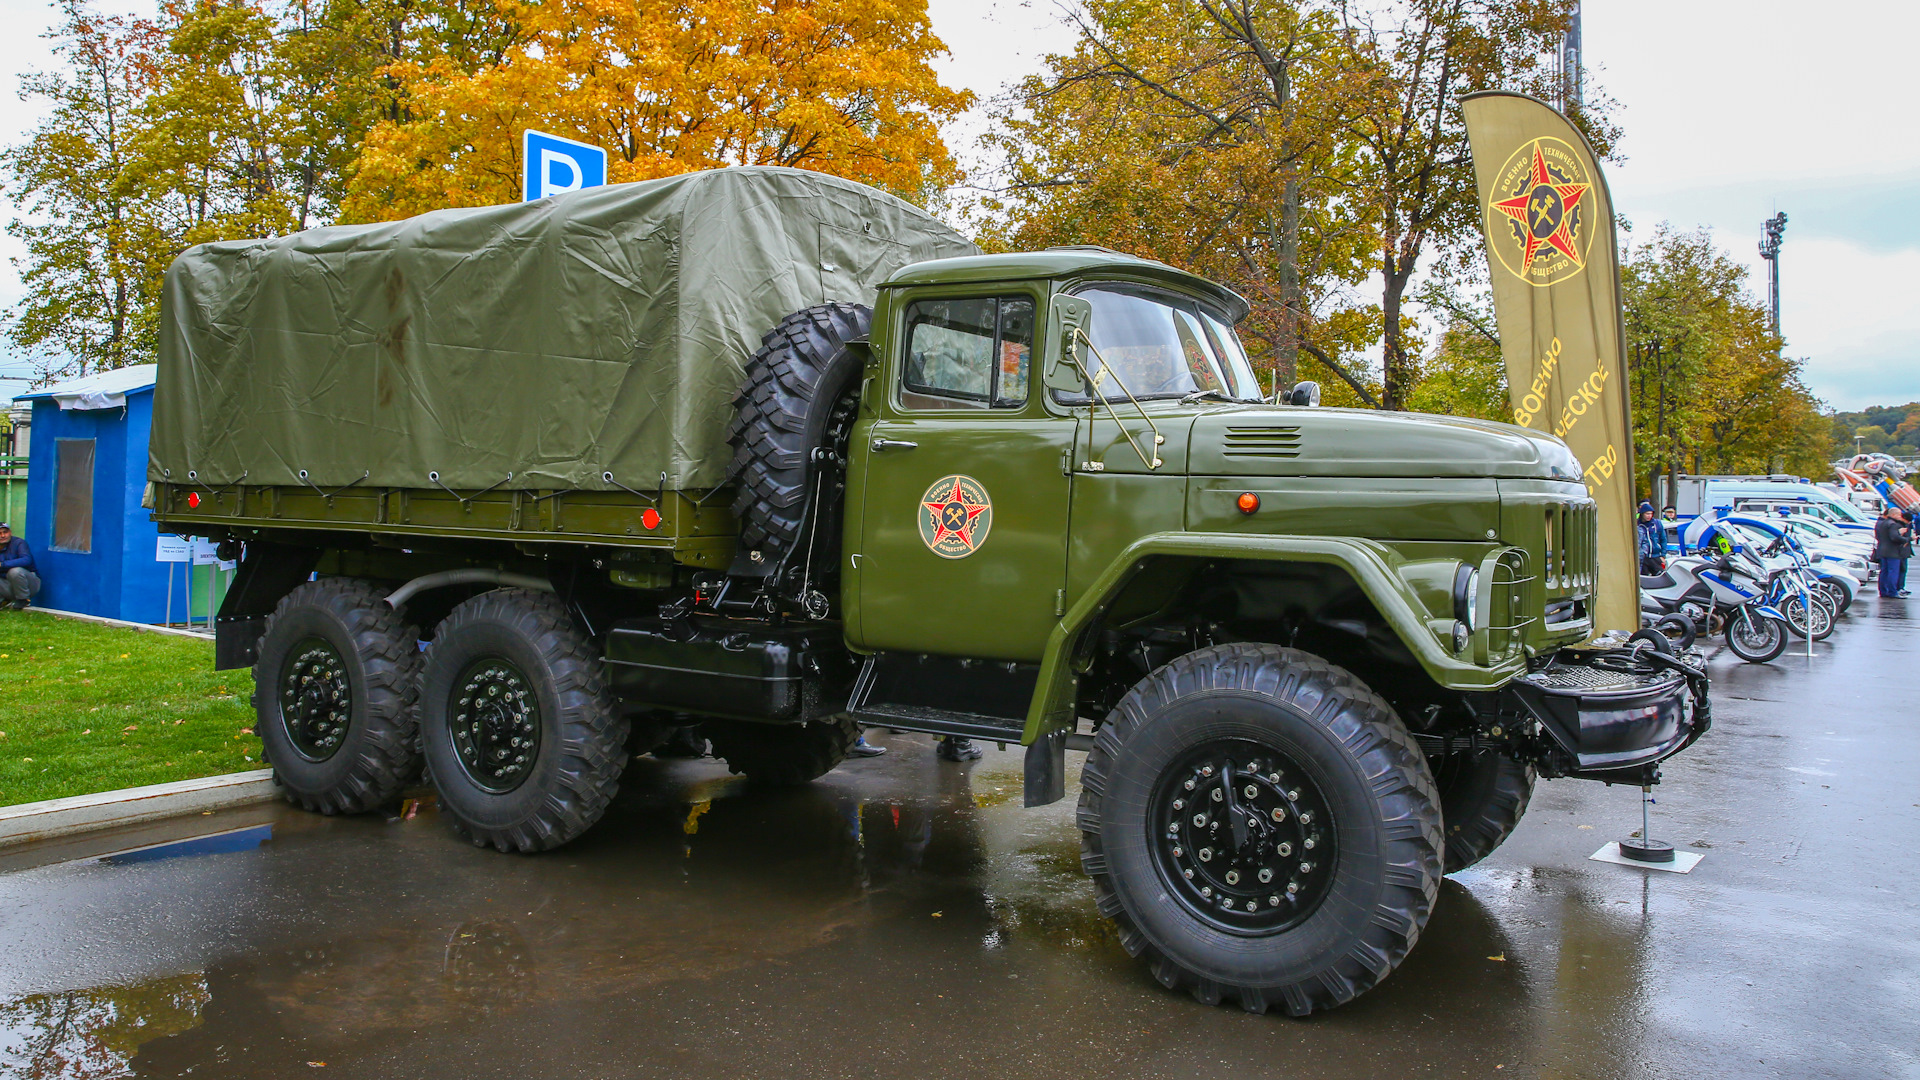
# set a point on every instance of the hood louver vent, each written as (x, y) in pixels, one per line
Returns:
(1262, 442)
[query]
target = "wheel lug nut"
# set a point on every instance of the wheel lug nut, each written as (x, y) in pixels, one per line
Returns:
(1274, 900)
(1233, 877)
(1199, 819)
(1179, 804)
(1294, 795)
(1306, 817)
(1206, 854)
(1177, 852)
(1279, 813)
(1266, 874)
(1188, 874)
(1206, 770)
(1206, 890)
(1188, 785)
(1285, 849)
(1216, 795)
(1306, 868)
(1292, 887)
(1307, 843)
(1252, 791)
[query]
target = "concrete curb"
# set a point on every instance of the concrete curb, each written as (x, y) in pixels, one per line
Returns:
(122, 623)
(55, 818)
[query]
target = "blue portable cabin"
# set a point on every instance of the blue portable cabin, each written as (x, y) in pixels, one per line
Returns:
(87, 470)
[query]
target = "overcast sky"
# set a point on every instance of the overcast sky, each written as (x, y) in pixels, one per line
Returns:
(1731, 111)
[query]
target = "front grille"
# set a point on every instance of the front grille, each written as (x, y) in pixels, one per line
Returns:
(1262, 442)
(1572, 542)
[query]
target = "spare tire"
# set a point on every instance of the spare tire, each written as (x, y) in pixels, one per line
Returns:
(796, 395)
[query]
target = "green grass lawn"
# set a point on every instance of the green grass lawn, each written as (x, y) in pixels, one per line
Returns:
(86, 708)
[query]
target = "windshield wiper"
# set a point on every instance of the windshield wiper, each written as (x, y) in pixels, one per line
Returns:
(1188, 399)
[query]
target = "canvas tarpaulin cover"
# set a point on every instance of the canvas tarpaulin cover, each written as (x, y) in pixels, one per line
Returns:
(602, 331)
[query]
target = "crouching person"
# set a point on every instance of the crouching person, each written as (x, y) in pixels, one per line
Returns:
(19, 582)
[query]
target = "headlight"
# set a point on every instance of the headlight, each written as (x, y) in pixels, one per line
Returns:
(1466, 586)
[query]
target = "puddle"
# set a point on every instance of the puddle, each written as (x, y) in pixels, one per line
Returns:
(215, 844)
(95, 1032)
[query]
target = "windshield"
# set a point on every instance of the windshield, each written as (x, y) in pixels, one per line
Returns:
(1810, 525)
(1153, 344)
(1844, 512)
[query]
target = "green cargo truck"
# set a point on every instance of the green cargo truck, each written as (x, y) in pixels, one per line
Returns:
(520, 492)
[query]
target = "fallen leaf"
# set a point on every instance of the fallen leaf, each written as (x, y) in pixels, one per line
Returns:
(316, 1064)
(28, 760)
(131, 727)
(936, 914)
(123, 656)
(1502, 958)
(89, 731)
(1586, 826)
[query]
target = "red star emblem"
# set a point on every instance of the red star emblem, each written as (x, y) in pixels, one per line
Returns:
(1544, 212)
(953, 515)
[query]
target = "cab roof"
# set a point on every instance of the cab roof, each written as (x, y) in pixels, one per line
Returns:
(1065, 262)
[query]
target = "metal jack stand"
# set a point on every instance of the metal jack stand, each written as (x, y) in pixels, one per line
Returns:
(1645, 848)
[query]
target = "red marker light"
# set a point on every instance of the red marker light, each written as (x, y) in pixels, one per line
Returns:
(650, 518)
(1248, 502)
(193, 500)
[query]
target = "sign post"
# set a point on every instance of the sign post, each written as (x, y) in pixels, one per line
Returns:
(552, 165)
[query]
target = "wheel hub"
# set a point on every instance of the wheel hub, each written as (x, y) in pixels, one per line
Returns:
(496, 724)
(316, 700)
(1244, 840)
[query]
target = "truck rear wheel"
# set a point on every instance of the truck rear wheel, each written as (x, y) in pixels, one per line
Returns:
(334, 693)
(522, 738)
(793, 383)
(1261, 826)
(783, 754)
(1482, 798)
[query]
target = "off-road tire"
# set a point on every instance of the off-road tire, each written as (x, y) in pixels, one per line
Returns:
(1482, 798)
(783, 755)
(378, 754)
(581, 749)
(1384, 808)
(802, 369)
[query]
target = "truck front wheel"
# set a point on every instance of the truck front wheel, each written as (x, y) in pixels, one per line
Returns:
(1260, 825)
(1482, 798)
(334, 684)
(522, 739)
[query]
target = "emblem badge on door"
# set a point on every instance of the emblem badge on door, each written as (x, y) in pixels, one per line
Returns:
(955, 515)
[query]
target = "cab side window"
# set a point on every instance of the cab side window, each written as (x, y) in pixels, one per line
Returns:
(972, 353)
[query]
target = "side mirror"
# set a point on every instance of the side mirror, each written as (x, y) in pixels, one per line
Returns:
(1306, 392)
(1068, 318)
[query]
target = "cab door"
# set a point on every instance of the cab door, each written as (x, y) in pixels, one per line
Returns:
(962, 539)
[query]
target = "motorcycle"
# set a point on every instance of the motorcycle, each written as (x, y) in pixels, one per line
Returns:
(1726, 593)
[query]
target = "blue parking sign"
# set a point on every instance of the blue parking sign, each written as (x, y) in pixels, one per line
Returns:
(553, 165)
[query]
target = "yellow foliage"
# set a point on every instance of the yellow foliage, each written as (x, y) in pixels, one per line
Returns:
(838, 86)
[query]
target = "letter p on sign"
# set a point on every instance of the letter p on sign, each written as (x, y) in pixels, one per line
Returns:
(554, 165)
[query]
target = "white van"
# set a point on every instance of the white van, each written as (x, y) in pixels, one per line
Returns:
(1695, 495)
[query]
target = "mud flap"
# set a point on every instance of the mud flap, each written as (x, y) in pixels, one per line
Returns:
(1046, 769)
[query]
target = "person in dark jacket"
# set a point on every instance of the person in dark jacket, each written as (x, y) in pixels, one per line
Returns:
(1892, 547)
(1652, 540)
(20, 581)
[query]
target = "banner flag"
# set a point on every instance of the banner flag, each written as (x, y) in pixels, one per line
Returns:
(1553, 261)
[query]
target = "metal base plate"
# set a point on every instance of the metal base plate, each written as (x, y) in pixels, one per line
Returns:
(1683, 861)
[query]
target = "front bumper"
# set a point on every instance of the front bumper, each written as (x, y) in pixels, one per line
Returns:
(1613, 714)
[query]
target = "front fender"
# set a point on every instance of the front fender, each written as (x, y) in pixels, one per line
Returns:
(1367, 562)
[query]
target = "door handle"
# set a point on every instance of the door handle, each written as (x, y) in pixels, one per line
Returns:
(892, 444)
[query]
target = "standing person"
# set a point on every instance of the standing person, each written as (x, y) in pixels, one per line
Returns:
(1892, 547)
(18, 580)
(1653, 542)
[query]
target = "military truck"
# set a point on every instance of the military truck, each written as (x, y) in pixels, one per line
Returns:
(521, 492)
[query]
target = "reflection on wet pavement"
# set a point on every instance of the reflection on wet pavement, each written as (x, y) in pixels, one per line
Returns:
(908, 918)
(213, 844)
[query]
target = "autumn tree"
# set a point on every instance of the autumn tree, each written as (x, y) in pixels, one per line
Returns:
(1415, 175)
(85, 307)
(1712, 388)
(839, 86)
(1204, 134)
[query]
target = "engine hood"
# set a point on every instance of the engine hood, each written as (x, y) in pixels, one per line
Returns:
(1281, 440)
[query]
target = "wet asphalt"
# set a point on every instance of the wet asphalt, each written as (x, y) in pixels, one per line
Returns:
(907, 918)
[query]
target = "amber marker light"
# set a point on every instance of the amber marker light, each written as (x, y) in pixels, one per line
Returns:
(193, 500)
(650, 518)
(1248, 502)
